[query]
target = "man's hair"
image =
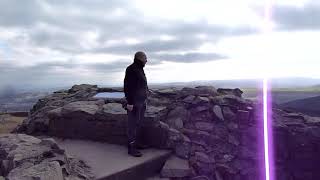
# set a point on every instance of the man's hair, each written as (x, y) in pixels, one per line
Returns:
(139, 55)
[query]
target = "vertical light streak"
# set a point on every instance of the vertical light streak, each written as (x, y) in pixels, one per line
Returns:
(266, 125)
(265, 129)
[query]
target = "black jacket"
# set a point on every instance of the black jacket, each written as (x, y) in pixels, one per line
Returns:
(135, 83)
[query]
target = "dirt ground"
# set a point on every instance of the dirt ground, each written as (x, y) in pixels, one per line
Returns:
(9, 122)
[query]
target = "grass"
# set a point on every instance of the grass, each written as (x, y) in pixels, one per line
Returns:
(10, 123)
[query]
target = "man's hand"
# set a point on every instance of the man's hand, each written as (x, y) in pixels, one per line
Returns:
(149, 92)
(129, 107)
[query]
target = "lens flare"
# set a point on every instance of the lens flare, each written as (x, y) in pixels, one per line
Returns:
(266, 129)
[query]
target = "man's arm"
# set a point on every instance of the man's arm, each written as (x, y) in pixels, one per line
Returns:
(129, 85)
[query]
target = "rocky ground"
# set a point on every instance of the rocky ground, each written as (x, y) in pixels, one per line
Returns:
(26, 157)
(214, 133)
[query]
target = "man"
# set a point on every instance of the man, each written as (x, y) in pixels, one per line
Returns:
(135, 89)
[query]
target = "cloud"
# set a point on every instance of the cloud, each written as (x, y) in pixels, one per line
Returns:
(63, 25)
(57, 73)
(297, 18)
(67, 41)
(108, 67)
(189, 57)
(20, 13)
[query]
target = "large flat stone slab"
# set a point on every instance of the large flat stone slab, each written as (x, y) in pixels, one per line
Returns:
(110, 161)
(176, 168)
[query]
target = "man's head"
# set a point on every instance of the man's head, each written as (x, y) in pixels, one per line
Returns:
(141, 56)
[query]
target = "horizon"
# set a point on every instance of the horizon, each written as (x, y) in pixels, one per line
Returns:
(276, 83)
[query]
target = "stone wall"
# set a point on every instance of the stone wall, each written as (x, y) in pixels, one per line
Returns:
(216, 131)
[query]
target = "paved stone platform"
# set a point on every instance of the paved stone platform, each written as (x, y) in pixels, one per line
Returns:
(110, 161)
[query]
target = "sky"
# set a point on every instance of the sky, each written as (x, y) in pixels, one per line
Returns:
(49, 43)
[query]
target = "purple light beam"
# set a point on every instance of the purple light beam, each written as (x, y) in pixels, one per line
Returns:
(265, 129)
(266, 125)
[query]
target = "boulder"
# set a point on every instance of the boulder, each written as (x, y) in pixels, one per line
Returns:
(218, 112)
(176, 168)
(83, 87)
(27, 157)
(198, 91)
(177, 117)
(183, 147)
(203, 157)
(236, 91)
(189, 99)
(43, 171)
(204, 126)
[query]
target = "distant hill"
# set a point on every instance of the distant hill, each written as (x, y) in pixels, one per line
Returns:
(310, 106)
(276, 83)
(316, 86)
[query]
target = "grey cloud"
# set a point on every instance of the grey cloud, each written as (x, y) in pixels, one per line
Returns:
(203, 27)
(110, 67)
(49, 65)
(31, 12)
(296, 18)
(71, 64)
(65, 29)
(19, 13)
(190, 57)
(44, 74)
(63, 41)
(184, 34)
(152, 46)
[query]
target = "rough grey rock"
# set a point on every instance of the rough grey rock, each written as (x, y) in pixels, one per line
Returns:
(183, 148)
(176, 168)
(114, 108)
(26, 157)
(155, 112)
(198, 91)
(113, 112)
(168, 92)
(200, 178)
(204, 126)
(177, 117)
(203, 157)
(228, 114)
(157, 178)
(189, 99)
(218, 112)
(237, 92)
(81, 107)
(43, 171)
(243, 116)
(83, 87)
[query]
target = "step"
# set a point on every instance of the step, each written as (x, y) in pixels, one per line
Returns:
(111, 162)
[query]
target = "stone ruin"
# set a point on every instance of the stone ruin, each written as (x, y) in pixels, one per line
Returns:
(215, 133)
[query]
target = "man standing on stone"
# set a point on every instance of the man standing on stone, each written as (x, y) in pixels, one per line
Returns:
(135, 89)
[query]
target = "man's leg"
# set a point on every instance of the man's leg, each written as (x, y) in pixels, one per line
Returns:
(132, 131)
(141, 143)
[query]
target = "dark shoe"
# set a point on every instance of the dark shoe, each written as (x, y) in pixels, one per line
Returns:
(142, 146)
(133, 151)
